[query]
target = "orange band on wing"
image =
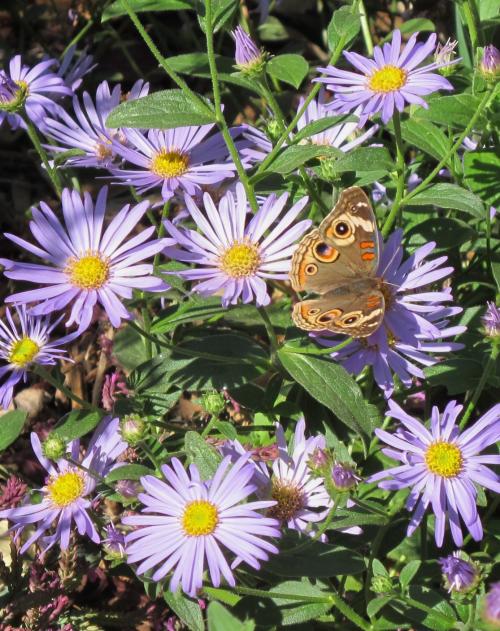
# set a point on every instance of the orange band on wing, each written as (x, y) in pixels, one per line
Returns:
(366, 244)
(372, 301)
(368, 256)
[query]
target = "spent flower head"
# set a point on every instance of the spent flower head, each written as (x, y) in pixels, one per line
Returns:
(387, 82)
(460, 575)
(442, 466)
(87, 264)
(444, 55)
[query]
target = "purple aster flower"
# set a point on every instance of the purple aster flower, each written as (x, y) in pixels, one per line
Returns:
(491, 320)
(30, 89)
(388, 81)
(415, 322)
(442, 466)
(22, 347)
(114, 540)
(65, 495)
(490, 63)
(300, 494)
(492, 605)
(72, 70)
(86, 265)
(89, 133)
(460, 575)
(181, 158)
(194, 520)
(233, 255)
(247, 56)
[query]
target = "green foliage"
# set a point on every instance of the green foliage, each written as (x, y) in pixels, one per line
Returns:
(11, 425)
(291, 69)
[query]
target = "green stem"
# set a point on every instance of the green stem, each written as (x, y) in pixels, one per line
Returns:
(51, 172)
(349, 612)
(472, 18)
(320, 351)
(163, 62)
(43, 373)
(365, 28)
(312, 94)
(150, 455)
(209, 426)
(469, 625)
(261, 593)
(77, 37)
(147, 327)
(400, 168)
(488, 369)
(488, 96)
(317, 534)
(219, 115)
(271, 333)
(368, 508)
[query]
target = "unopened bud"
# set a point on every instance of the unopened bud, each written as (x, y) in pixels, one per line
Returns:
(132, 428)
(54, 447)
(213, 403)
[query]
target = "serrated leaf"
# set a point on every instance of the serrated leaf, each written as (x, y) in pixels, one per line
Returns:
(219, 619)
(128, 472)
(161, 110)
(189, 611)
(344, 24)
(332, 386)
(408, 572)
(11, 425)
(77, 423)
(203, 455)
(450, 196)
(117, 8)
(291, 69)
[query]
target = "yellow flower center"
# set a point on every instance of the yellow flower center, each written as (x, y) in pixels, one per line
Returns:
(103, 150)
(23, 351)
(169, 163)
(18, 97)
(290, 500)
(66, 488)
(200, 518)
(241, 259)
(444, 459)
(88, 272)
(387, 79)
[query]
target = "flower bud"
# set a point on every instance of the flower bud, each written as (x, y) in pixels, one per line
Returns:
(12, 95)
(132, 428)
(249, 59)
(343, 477)
(490, 63)
(53, 447)
(381, 584)
(318, 461)
(459, 574)
(491, 320)
(491, 611)
(213, 403)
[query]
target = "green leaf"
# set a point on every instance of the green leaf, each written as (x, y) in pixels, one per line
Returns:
(160, 110)
(222, 12)
(272, 30)
(481, 169)
(204, 456)
(321, 125)
(331, 385)
(128, 472)
(375, 605)
(227, 429)
(219, 619)
(129, 348)
(293, 157)
(416, 25)
(153, 387)
(440, 618)
(342, 24)
(495, 268)
(187, 610)
(224, 595)
(77, 423)
(457, 375)
(452, 111)
(447, 232)
(11, 425)
(356, 516)
(196, 65)
(450, 196)
(117, 8)
(194, 308)
(426, 136)
(297, 611)
(408, 572)
(364, 159)
(288, 68)
(318, 560)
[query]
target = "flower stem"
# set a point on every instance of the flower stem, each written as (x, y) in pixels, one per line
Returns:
(163, 62)
(219, 115)
(400, 168)
(365, 28)
(250, 591)
(43, 373)
(472, 18)
(349, 612)
(488, 96)
(316, 88)
(271, 333)
(488, 369)
(51, 172)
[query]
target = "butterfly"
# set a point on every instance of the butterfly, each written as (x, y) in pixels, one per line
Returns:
(339, 260)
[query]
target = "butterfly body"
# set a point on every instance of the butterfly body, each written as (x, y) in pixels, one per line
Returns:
(339, 260)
